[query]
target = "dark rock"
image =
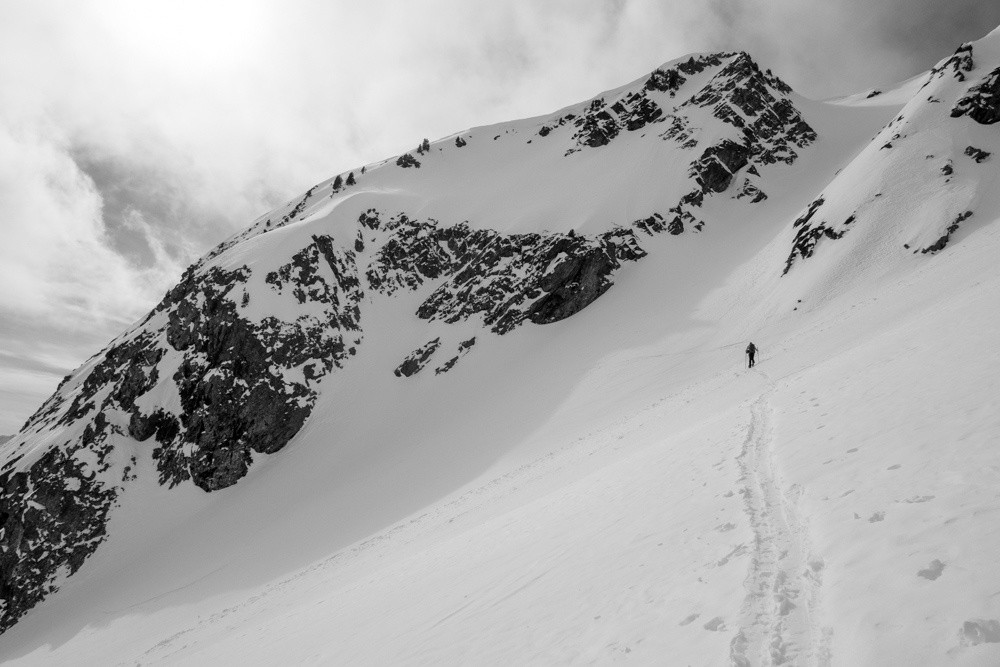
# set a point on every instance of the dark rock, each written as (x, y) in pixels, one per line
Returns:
(572, 285)
(940, 244)
(505, 279)
(52, 517)
(406, 160)
(417, 359)
(809, 234)
(957, 65)
(463, 349)
(668, 80)
(750, 191)
(714, 170)
(597, 127)
(977, 154)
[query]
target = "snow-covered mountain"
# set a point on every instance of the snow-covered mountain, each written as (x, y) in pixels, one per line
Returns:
(484, 401)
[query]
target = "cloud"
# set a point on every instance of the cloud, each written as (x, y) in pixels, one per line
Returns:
(134, 136)
(834, 47)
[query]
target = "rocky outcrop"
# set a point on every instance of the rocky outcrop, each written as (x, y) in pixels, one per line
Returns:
(601, 121)
(52, 517)
(750, 191)
(809, 233)
(541, 278)
(940, 244)
(715, 168)
(977, 154)
(244, 386)
(957, 65)
(760, 124)
(463, 349)
(597, 126)
(767, 129)
(406, 160)
(982, 103)
(503, 278)
(53, 511)
(416, 360)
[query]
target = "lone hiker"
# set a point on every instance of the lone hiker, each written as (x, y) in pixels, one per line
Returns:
(751, 352)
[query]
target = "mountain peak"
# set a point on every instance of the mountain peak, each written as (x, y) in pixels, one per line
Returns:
(542, 251)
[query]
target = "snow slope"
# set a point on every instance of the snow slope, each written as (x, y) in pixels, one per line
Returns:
(614, 486)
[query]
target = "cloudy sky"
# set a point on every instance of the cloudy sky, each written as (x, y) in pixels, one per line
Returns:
(136, 134)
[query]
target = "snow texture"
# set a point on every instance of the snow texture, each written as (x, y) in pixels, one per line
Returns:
(264, 470)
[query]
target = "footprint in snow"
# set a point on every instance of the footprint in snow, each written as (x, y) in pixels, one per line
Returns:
(932, 571)
(917, 499)
(725, 528)
(979, 631)
(689, 619)
(716, 625)
(738, 550)
(876, 517)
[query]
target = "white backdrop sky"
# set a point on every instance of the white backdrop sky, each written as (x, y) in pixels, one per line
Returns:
(136, 134)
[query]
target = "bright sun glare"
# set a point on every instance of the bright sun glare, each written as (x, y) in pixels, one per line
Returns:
(191, 36)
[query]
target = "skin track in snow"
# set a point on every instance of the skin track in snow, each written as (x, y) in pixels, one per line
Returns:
(784, 583)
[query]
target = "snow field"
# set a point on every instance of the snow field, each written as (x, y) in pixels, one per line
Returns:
(614, 487)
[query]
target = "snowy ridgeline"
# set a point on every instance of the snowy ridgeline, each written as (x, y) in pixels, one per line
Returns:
(611, 485)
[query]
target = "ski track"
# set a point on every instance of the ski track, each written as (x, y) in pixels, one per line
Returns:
(778, 621)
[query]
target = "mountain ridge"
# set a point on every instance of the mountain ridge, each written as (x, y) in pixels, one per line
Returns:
(228, 366)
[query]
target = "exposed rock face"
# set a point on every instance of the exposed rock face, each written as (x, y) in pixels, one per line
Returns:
(530, 276)
(750, 191)
(939, 245)
(243, 385)
(601, 122)
(503, 278)
(53, 512)
(977, 154)
(52, 517)
(416, 360)
(715, 168)
(982, 104)
(767, 129)
(809, 233)
(957, 66)
(597, 126)
(463, 349)
(762, 126)
(238, 390)
(406, 160)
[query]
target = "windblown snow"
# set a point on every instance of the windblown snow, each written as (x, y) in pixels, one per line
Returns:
(487, 402)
